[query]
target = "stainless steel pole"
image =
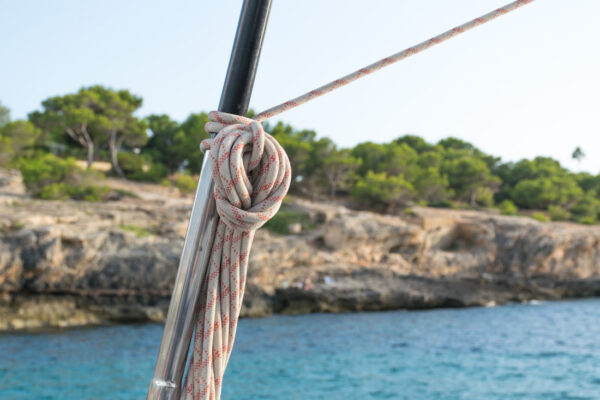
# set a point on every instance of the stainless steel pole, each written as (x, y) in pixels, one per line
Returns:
(173, 353)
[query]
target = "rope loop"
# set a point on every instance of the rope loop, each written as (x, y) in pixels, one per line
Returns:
(251, 171)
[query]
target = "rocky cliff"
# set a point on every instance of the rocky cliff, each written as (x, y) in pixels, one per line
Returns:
(65, 263)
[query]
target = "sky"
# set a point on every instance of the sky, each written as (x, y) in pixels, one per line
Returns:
(523, 85)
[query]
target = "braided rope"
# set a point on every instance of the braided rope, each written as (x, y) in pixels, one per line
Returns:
(252, 174)
(394, 58)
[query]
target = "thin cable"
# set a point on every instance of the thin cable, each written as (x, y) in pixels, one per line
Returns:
(376, 66)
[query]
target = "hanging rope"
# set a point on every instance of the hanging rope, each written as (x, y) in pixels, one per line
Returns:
(252, 174)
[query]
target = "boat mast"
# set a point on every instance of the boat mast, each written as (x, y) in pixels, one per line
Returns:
(181, 318)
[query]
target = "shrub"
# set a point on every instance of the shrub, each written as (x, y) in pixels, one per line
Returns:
(137, 168)
(586, 209)
(88, 192)
(507, 207)
(125, 193)
(47, 169)
(185, 183)
(539, 216)
(558, 213)
(51, 178)
(154, 173)
(55, 191)
(588, 220)
(166, 182)
(281, 221)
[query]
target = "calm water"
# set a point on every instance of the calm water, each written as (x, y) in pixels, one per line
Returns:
(544, 351)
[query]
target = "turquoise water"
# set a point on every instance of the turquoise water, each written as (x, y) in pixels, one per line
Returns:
(544, 351)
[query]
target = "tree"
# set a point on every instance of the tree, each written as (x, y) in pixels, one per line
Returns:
(73, 115)
(540, 193)
(400, 159)
(372, 156)
(578, 154)
(22, 135)
(186, 142)
(338, 167)
(467, 175)
(4, 115)
(298, 146)
(115, 119)
(382, 192)
(431, 186)
(417, 143)
(161, 145)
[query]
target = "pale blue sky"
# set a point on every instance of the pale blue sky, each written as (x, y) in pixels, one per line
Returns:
(526, 84)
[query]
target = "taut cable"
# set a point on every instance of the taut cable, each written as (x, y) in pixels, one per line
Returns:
(376, 66)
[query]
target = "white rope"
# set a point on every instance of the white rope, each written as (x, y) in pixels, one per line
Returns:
(252, 174)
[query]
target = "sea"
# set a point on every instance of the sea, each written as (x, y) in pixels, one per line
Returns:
(538, 350)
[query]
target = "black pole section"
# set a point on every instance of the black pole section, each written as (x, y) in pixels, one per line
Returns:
(244, 57)
(183, 308)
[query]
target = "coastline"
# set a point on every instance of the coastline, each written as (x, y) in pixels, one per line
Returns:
(67, 263)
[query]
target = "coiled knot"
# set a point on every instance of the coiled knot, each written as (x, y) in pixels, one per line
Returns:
(251, 171)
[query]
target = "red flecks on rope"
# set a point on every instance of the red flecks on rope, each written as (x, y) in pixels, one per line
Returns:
(389, 60)
(252, 174)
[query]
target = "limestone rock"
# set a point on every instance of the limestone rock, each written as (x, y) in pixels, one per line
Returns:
(66, 263)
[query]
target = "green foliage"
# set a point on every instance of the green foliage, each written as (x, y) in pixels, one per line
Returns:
(557, 213)
(4, 115)
(539, 216)
(177, 146)
(507, 207)
(469, 177)
(587, 208)
(138, 230)
(578, 154)
(166, 182)
(62, 191)
(382, 192)
(22, 134)
(6, 151)
(51, 178)
(283, 219)
(137, 168)
(46, 169)
(125, 193)
(338, 168)
(415, 142)
(92, 118)
(541, 193)
(99, 122)
(185, 184)
(16, 139)
(186, 143)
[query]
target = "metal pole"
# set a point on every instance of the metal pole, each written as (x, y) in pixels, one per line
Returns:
(172, 356)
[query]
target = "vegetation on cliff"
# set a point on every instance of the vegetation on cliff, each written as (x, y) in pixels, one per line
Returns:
(99, 124)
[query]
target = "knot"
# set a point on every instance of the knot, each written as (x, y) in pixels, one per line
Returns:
(251, 171)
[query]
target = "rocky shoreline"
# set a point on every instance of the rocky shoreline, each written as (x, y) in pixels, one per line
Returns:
(65, 263)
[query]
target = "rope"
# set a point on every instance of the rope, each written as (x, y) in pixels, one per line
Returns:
(394, 58)
(252, 174)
